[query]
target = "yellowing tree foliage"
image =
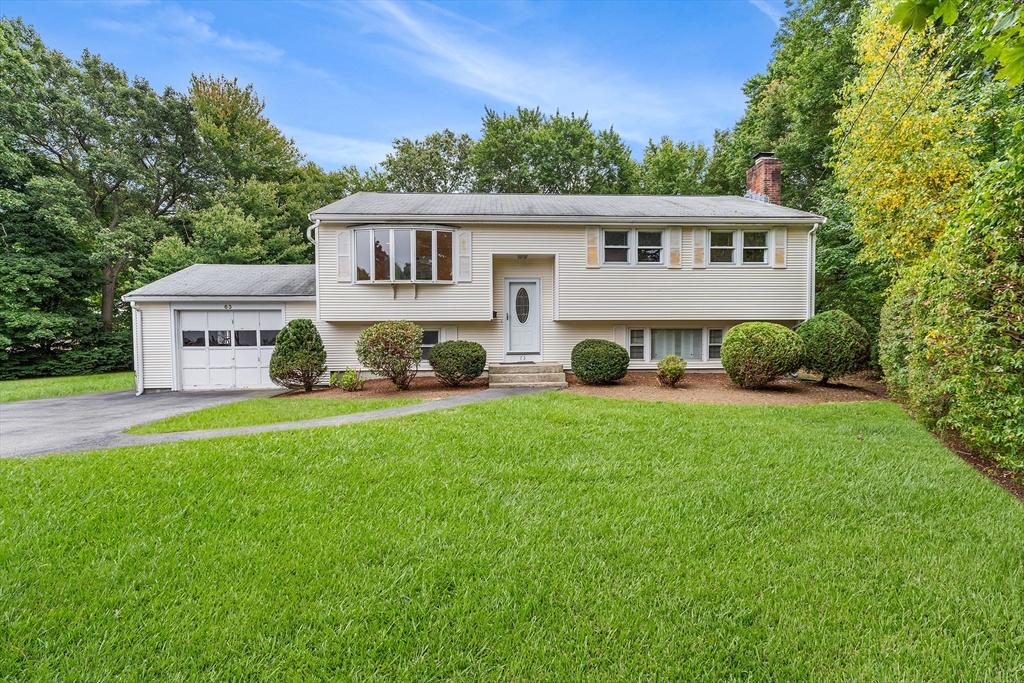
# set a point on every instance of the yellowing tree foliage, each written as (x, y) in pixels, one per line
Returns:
(907, 160)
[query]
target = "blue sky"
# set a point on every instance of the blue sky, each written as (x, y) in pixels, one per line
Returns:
(345, 78)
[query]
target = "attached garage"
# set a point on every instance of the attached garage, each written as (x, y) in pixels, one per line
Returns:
(211, 327)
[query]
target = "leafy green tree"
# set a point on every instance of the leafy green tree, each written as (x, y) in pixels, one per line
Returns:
(441, 162)
(674, 168)
(244, 143)
(530, 152)
(129, 154)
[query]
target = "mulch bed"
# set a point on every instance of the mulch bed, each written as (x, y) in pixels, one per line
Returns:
(718, 388)
(1010, 480)
(426, 388)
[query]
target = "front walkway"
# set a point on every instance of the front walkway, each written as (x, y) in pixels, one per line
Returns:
(49, 426)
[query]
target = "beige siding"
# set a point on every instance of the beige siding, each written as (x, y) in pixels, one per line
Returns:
(293, 310)
(157, 346)
(607, 293)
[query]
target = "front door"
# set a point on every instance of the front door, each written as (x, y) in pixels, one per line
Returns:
(522, 318)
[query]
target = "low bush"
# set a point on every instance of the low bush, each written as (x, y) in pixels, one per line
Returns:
(599, 361)
(834, 344)
(457, 362)
(671, 369)
(350, 380)
(392, 349)
(299, 359)
(754, 354)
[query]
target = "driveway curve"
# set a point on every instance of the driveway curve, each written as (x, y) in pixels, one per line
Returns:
(88, 421)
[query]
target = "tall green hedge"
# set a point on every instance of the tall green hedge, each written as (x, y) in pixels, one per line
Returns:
(952, 338)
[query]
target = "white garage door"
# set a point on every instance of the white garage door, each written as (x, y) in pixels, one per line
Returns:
(224, 349)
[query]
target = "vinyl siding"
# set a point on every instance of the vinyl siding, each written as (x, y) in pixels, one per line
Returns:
(293, 310)
(607, 293)
(157, 345)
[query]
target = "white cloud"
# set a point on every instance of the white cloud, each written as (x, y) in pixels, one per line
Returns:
(448, 47)
(333, 151)
(773, 10)
(192, 28)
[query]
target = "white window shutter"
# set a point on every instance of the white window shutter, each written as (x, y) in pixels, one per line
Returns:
(675, 248)
(779, 260)
(449, 333)
(344, 260)
(700, 258)
(465, 256)
(619, 335)
(593, 246)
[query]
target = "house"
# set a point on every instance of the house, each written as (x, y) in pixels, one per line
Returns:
(526, 276)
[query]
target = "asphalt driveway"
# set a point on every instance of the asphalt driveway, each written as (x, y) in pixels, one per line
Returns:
(89, 421)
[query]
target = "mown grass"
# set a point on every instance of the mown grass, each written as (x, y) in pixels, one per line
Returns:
(48, 387)
(548, 537)
(258, 411)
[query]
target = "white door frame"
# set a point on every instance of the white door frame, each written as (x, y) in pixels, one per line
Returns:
(507, 323)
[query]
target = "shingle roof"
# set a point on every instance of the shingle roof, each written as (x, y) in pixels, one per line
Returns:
(206, 280)
(369, 205)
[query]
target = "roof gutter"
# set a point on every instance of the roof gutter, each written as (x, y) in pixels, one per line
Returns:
(352, 219)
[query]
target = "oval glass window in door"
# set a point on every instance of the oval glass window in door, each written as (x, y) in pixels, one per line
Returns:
(522, 305)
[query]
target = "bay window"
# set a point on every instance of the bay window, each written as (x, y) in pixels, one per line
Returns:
(404, 255)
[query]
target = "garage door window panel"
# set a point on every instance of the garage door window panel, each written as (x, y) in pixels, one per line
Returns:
(193, 338)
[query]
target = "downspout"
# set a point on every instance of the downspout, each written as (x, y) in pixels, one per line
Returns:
(315, 240)
(812, 268)
(137, 347)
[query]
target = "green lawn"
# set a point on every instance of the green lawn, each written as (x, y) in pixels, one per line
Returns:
(46, 387)
(547, 537)
(258, 411)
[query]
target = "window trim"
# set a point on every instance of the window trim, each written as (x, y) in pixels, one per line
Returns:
(705, 342)
(413, 229)
(738, 240)
(633, 246)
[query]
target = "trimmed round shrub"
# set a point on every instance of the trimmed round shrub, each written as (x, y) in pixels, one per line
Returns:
(350, 380)
(392, 349)
(834, 344)
(599, 361)
(299, 359)
(457, 362)
(671, 369)
(754, 354)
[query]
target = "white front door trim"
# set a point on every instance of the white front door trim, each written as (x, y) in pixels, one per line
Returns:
(533, 353)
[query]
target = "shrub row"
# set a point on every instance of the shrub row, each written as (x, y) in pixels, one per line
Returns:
(952, 339)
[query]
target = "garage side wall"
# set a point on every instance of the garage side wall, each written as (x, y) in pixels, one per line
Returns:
(156, 345)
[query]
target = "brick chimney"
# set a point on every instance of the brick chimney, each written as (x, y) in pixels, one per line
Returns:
(764, 179)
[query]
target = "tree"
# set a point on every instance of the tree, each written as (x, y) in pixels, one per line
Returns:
(910, 147)
(441, 162)
(129, 154)
(244, 143)
(530, 152)
(677, 168)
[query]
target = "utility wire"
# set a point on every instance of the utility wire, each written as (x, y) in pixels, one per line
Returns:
(856, 119)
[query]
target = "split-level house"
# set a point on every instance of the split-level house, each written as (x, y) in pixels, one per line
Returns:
(526, 276)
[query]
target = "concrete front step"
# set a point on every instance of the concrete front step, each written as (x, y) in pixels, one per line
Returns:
(530, 385)
(524, 368)
(533, 377)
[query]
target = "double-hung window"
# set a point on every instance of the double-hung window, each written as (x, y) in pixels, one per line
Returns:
(396, 255)
(633, 247)
(752, 246)
(637, 344)
(715, 344)
(430, 338)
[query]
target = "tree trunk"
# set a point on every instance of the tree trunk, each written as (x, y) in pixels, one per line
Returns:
(110, 275)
